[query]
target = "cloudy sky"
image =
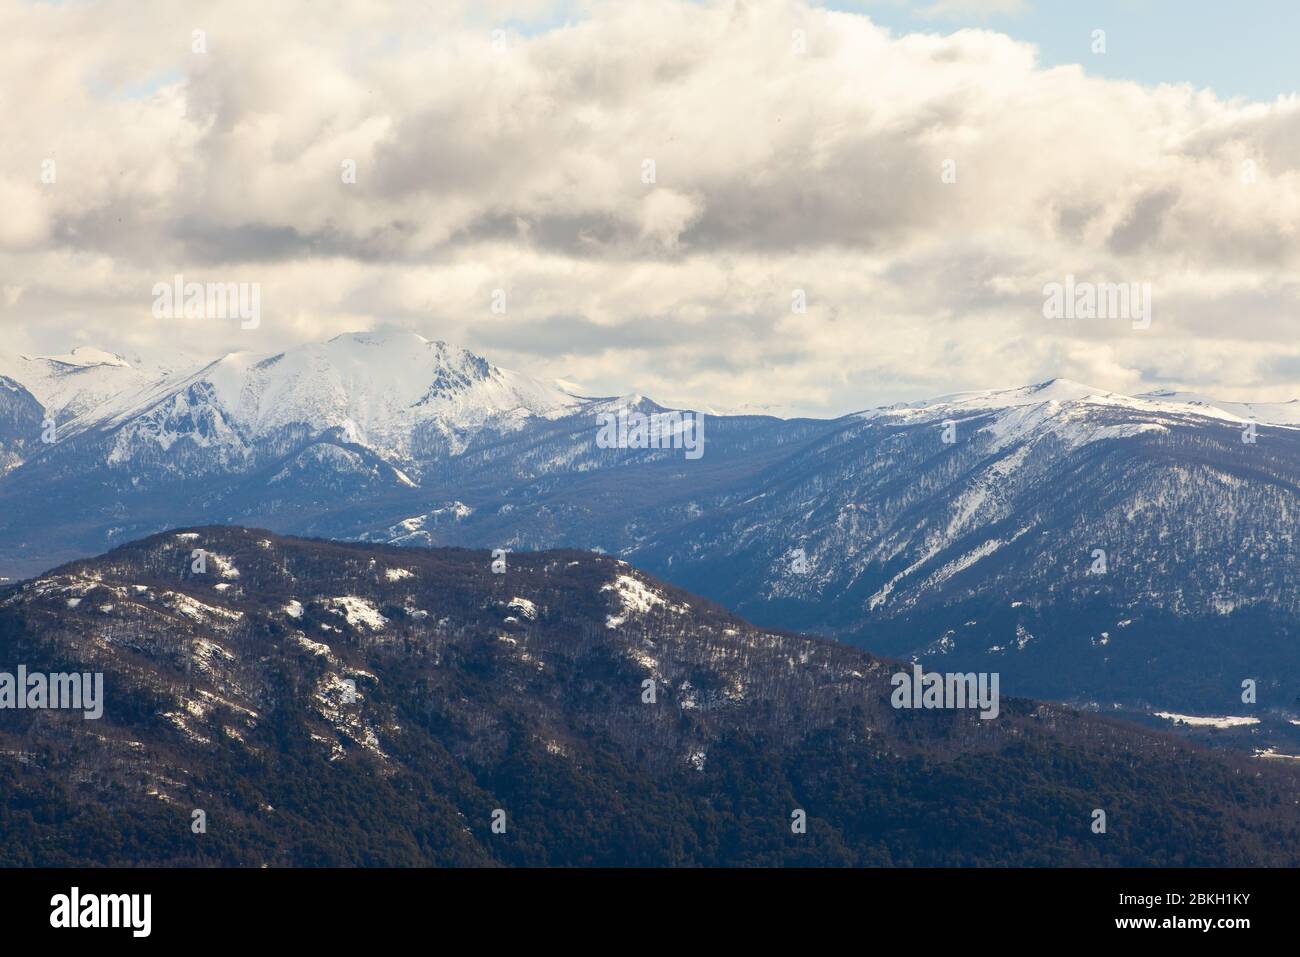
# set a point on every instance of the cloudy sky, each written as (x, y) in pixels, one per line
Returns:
(795, 146)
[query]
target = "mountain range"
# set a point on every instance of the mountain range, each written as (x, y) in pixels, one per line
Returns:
(293, 702)
(1135, 551)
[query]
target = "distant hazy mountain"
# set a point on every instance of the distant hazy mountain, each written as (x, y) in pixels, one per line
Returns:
(321, 703)
(1088, 545)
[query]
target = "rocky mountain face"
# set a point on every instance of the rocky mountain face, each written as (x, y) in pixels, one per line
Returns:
(20, 423)
(1090, 546)
(270, 700)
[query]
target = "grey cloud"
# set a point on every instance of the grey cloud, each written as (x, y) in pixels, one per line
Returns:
(1283, 367)
(568, 335)
(575, 335)
(1143, 222)
(211, 243)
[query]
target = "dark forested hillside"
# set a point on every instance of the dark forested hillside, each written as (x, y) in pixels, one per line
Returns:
(326, 703)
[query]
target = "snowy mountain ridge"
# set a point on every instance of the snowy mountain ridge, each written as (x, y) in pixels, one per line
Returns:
(83, 382)
(402, 395)
(1062, 395)
(390, 394)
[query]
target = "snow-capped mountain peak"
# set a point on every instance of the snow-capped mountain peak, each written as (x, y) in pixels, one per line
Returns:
(1064, 396)
(86, 356)
(1053, 390)
(77, 383)
(1274, 413)
(394, 393)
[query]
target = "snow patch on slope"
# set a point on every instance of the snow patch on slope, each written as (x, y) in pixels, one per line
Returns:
(359, 612)
(635, 598)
